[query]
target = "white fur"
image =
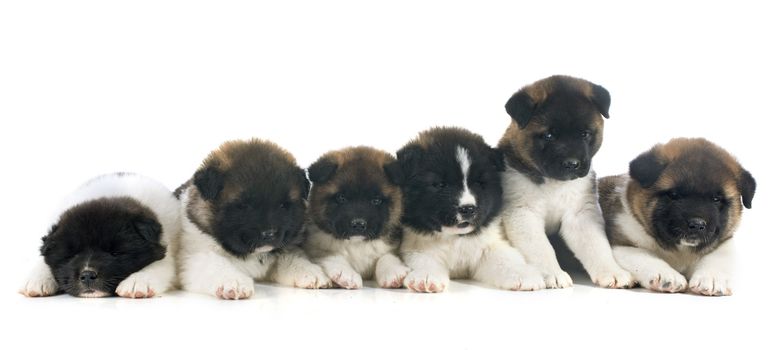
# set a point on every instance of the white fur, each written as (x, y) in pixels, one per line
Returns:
(154, 279)
(531, 211)
(467, 197)
(348, 262)
(205, 267)
(486, 257)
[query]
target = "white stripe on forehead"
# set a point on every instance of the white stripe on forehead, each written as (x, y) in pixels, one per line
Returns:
(462, 155)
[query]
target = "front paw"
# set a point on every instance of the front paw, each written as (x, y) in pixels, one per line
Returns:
(614, 277)
(392, 277)
(525, 278)
(141, 285)
(557, 278)
(42, 285)
(424, 282)
(667, 282)
(347, 279)
(710, 284)
(239, 287)
(311, 277)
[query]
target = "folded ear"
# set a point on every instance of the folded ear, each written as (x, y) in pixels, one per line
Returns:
(46, 242)
(521, 108)
(304, 183)
(747, 187)
(209, 182)
(148, 228)
(322, 170)
(601, 99)
(497, 158)
(394, 172)
(646, 168)
(408, 157)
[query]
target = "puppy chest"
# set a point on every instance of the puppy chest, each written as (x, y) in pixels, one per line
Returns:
(363, 256)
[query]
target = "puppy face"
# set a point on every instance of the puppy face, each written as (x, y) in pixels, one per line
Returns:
(355, 193)
(97, 244)
(687, 193)
(250, 197)
(557, 127)
(451, 181)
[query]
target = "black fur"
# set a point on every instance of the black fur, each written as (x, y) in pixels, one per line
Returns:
(676, 207)
(209, 182)
(747, 188)
(646, 168)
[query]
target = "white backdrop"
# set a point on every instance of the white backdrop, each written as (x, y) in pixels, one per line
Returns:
(88, 87)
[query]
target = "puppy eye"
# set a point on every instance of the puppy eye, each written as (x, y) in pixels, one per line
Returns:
(673, 195)
(549, 136)
(285, 205)
(439, 185)
(716, 199)
(341, 199)
(376, 201)
(586, 135)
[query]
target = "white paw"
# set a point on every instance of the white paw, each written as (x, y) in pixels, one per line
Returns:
(311, 277)
(666, 281)
(140, 285)
(392, 277)
(420, 281)
(710, 284)
(557, 279)
(614, 277)
(238, 287)
(523, 278)
(39, 285)
(347, 279)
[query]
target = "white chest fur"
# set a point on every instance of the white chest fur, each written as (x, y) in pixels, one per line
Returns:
(362, 255)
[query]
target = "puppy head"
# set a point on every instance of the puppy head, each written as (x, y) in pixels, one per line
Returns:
(687, 193)
(451, 181)
(556, 126)
(250, 196)
(97, 244)
(355, 193)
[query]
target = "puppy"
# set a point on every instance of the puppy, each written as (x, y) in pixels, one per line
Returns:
(355, 211)
(242, 219)
(452, 197)
(556, 130)
(670, 221)
(116, 234)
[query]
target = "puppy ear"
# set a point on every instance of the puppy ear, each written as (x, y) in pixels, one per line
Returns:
(46, 241)
(497, 158)
(646, 168)
(408, 157)
(148, 228)
(209, 182)
(304, 183)
(322, 170)
(394, 172)
(601, 99)
(521, 108)
(747, 187)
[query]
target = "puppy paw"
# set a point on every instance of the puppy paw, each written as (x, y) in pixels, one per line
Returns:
(557, 279)
(666, 282)
(39, 285)
(312, 277)
(235, 288)
(710, 284)
(524, 278)
(347, 279)
(392, 277)
(423, 282)
(136, 286)
(613, 278)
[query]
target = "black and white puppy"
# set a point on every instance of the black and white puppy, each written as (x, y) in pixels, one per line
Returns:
(243, 217)
(452, 197)
(116, 234)
(549, 188)
(671, 219)
(355, 213)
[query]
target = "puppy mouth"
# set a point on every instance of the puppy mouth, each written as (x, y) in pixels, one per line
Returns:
(91, 293)
(461, 228)
(265, 249)
(464, 224)
(690, 242)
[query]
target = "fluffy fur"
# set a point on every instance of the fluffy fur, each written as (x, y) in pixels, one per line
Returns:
(355, 210)
(670, 221)
(243, 218)
(556, 129)
(116, 234)
(452, 196)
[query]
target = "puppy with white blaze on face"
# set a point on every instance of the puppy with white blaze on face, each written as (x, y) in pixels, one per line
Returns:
(116, 234)
(452, 197)
(242, 219)
(355, 210)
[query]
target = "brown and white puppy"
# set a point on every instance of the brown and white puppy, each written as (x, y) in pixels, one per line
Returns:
(243, 216)
(549, 187)
(671, 219)
(355, 217)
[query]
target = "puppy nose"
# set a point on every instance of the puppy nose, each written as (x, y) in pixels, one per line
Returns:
(697, 224)
(88, 276)
(467, 211)
(268, 234)
(358, 225)
(571, 164)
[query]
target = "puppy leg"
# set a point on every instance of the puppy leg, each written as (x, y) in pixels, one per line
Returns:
(40, 282)
(154, 279)
(712, 274)
(584, 234)
(294, 269)
(390, 271)
(525, 230)
(339, 270)
(211, 273)
(428, 274)
(503, 267)
(649, 270)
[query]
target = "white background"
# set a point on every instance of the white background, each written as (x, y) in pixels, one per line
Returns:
(89, 87)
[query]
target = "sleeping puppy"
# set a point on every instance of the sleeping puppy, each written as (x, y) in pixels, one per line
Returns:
(242, 219)
(355, 210)
(452, 197)
(670, 221)
(116, 234)
(548, 187)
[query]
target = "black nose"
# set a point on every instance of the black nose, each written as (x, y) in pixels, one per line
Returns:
(697, 224)
(467, 211)
(268, 234)
(571, 164)
(88, 276)
(358, 225)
